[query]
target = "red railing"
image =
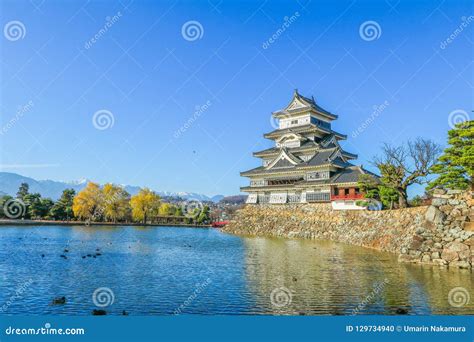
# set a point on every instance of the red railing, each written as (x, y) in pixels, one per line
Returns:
(347, 197)
(219, 224)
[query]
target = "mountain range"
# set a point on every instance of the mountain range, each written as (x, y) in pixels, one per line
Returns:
(9, 183)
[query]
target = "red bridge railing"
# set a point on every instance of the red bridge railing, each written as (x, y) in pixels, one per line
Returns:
(347, 197)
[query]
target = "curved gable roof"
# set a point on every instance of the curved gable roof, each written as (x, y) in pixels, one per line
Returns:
(300, 103)
(284, 159)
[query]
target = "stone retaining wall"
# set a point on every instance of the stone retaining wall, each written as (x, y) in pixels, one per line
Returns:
(440, 234)
(447, 236)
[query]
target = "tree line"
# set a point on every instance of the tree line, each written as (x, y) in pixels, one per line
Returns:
(109, 203)
(414, 163)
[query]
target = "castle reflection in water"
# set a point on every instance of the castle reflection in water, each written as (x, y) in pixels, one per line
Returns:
(297, 277)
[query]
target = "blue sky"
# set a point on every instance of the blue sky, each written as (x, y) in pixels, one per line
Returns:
(151, 80)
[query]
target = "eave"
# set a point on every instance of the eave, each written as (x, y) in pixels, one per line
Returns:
(288, 170)
(268, 153)
(301, 186)
(288, 113)
(308, 105)
(309, 128)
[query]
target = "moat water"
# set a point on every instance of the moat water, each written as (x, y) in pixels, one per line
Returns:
(174, 270)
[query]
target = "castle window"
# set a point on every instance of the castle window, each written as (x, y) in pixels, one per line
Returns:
(317, 175)
(320, 123)
(291, 143)
(259, 182)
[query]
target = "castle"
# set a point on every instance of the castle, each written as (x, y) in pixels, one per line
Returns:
(307, 163)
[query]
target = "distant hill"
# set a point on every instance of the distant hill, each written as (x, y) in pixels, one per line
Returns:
(236, 200)
(217, 198)
(9, 183)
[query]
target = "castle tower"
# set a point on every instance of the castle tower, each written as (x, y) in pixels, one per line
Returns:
(307, 163)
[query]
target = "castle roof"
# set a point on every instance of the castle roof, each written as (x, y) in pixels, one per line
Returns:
(307, 146)
(330, 157)
(309, 128)
(349, 175)
(301, 104)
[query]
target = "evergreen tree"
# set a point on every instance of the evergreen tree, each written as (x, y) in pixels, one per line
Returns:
(369, 185)
(203, 217)
(179, 212)
(3, 201)
(45, 206)
(62, 209)
(33, 205)
(388, 196)
(373, 189)
(23, 191)
(456, 166)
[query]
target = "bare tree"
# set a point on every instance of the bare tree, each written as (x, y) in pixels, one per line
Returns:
(405, 165)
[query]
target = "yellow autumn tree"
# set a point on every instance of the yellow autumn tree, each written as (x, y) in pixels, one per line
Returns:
(87, 204)
(116, 203)
(144, 205)
(167, 209)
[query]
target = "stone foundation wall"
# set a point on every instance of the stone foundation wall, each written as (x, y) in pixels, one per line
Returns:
(447, 236)
(440, 234)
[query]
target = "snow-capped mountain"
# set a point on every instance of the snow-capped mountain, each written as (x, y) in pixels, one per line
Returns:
(9, 183)
(81, 181)
(191, 195)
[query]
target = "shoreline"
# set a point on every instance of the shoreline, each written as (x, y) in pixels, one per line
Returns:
(5, 222)
(441, 234)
